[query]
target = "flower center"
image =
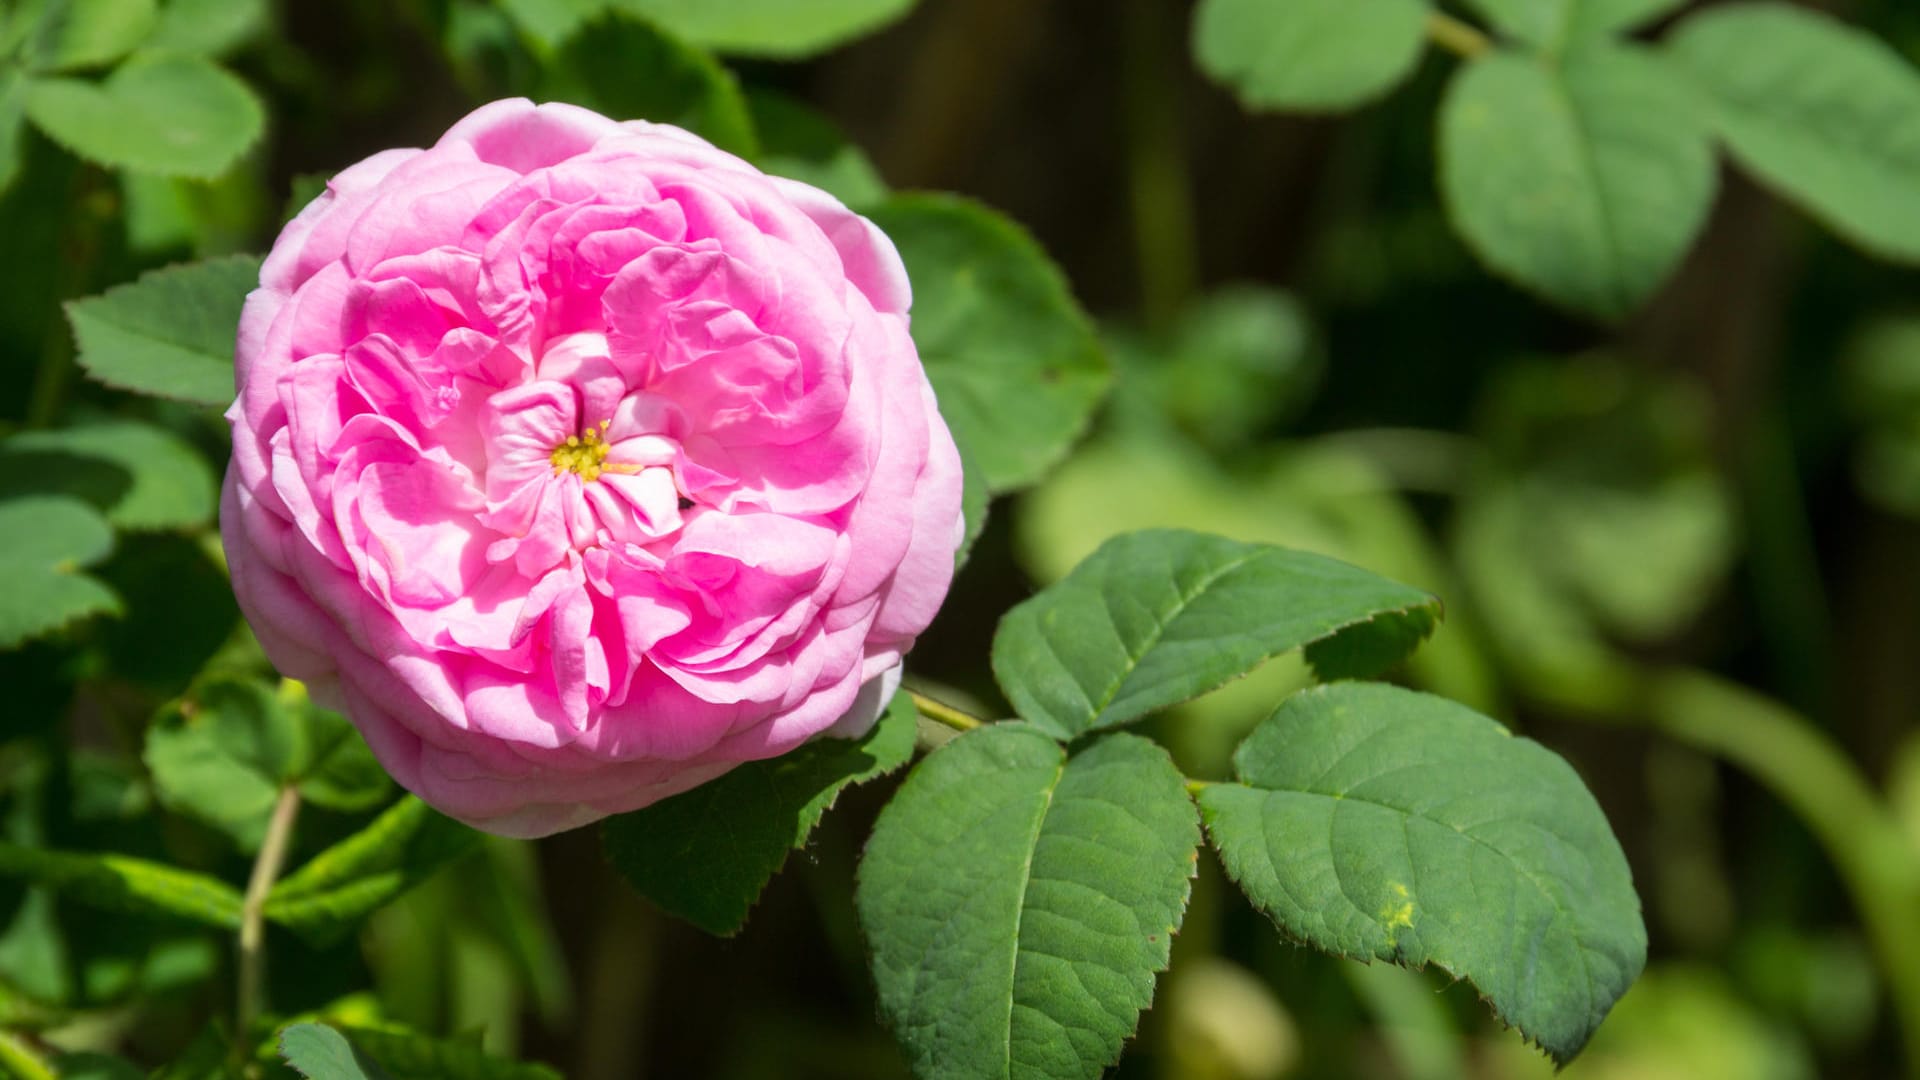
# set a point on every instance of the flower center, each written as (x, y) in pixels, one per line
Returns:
(583, 454)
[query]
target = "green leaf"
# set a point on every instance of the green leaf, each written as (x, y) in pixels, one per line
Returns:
(217, 757)
(44, 540)
(1012, 357)
(1584, 180)
(550, 22)
(319, 1052)
(776, 28)
(35, 962)
(706, 855)
(224, 754)
(1823, 113)
(124, 883)
(208, 27)
(86, 33)
(1019, 902)
(630, 70)
(798, 143)
(1154, 618)
(1378, 823)
(140, 476)
(165, 113)
(171, 333)
(1309, 54)
(975, 501)
(337, 888)
(1554, 25)
(13, 115)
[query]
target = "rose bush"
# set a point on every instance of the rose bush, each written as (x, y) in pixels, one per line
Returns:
(578, 461)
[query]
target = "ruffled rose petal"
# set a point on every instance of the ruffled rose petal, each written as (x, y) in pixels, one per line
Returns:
(579, 462)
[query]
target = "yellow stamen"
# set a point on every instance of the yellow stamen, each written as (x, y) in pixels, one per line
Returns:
(583, 454)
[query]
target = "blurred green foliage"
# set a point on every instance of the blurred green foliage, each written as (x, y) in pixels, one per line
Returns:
(1715, 485)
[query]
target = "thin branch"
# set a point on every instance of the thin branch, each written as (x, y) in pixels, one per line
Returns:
(942, 713)
(251, 1000)
(1460, 38)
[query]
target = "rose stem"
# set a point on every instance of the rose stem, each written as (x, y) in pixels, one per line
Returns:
(942, 713)
(1459, 38)
(253, 955)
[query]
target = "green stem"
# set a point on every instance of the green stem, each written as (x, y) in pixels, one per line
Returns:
(21, 1061)
(1459, 38)
(1158, 185)
(1817, 780)
(251, 1001)
(942, 713)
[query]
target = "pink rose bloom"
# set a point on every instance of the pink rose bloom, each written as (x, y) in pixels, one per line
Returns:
(578, 462)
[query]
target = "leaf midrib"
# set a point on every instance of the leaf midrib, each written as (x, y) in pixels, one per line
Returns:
(1159, 630)
(1019, 914)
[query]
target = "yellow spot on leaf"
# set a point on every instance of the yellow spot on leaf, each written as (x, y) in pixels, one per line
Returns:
(1401, 914)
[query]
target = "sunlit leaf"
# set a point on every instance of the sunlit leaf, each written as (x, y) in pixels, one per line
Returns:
(778, 28)
(44, 543)
(1555, 25)
(13, 116)
(166, 113)
(800, 144)
(1309, 54)
(208, 27)
(1378, 823)
(225, 752)
(86, 33)
(1019, 902)
(631, 70)
(333, 891)
(1825, 114)
(319, 1052)
(126, 884)
(1012, 357)
(1584, 179)
(550, 22)
(1155, 618)
(140, 476)
(171, 333)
